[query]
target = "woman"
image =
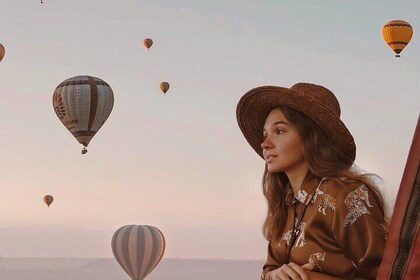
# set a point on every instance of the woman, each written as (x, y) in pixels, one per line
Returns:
(325, 220)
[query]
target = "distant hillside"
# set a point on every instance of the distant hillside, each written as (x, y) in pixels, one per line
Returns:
(108, 269)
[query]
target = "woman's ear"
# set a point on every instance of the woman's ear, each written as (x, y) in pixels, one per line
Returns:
(303, 152)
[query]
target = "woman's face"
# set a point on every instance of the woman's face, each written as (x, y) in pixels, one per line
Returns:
(282, 147)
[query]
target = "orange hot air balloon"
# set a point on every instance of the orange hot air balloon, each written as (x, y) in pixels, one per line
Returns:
(397, 34)
(164, 86)
(48, 199)
(148, 43)
(138, 249)
(2, 52)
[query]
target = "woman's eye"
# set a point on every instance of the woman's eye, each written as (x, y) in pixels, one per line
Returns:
(279, 131)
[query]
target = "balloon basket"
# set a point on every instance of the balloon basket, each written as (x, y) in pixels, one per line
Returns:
(84, 151)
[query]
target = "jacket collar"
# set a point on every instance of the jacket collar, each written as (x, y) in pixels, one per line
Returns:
(306, 191)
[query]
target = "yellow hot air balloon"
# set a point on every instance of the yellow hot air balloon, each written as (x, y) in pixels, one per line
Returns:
(148, 43)
(397, 34)
(48, 199)
(2, 51)
(83, 104)
(164, 86)
(138, 249)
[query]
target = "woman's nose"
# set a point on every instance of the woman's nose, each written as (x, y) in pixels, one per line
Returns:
(266, 144)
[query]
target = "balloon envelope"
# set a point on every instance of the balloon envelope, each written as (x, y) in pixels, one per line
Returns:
(138, 249)
(148, 43)
(164, 86)
(2, 51)
(83, 104)
(397, 34)
(48, 199)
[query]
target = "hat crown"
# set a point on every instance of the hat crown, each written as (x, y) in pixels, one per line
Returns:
(321, 94)
(316, 102)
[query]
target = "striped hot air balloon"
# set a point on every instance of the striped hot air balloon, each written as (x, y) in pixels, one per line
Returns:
(397, 34)
(138, 249)
(83, 104)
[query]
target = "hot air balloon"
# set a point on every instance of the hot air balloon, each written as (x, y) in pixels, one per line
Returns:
(83, 104)
(138, 249)
(48, 199)
(2, 52)
(148, 43)
(397, 34)
(164, 86)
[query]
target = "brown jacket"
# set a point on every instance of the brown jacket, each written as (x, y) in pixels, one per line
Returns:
(343, 231)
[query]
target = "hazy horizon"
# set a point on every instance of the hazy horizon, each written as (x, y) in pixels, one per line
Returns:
(40, 241)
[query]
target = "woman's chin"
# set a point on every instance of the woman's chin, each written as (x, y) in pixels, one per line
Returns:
(273, 169)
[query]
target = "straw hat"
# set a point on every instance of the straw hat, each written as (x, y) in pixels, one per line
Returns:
(316, 102)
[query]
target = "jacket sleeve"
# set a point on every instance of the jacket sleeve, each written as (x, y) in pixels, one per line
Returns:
(360, 230)
(271, 263)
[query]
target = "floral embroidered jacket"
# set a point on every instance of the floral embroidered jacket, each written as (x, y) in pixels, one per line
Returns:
(343, 231)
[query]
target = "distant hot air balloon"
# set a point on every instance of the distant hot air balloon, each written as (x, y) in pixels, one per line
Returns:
(138, 249)
(83, 104)
(397, 34)
(164, 86)
(2, 51)
(48, 199)
(148, 43)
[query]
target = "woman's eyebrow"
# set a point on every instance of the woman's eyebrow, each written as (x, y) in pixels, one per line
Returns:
(275, 123)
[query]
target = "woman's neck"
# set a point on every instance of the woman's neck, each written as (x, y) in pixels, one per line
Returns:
(296, 177)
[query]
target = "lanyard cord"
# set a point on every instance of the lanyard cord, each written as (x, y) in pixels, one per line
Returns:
(295, 230)
(297, 225)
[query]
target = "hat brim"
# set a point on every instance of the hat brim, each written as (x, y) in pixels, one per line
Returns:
(254, 107)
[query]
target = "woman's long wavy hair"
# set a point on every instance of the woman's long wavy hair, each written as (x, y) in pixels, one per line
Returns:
(324, 160)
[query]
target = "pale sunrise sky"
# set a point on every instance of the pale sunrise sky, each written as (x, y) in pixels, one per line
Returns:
(179, 162)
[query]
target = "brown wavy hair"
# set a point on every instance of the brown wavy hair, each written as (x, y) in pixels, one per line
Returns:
(324, 160)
